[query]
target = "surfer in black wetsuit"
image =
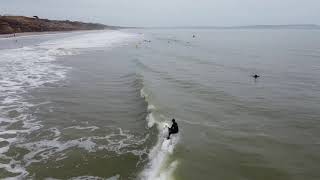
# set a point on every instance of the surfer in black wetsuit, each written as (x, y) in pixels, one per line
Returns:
(173, 129)
(256, 76)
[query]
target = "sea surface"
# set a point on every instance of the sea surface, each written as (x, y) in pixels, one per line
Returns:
(95, 105)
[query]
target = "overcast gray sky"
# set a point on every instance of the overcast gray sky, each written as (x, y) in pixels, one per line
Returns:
(171, 12)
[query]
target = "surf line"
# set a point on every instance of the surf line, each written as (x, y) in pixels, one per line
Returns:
(159, 168)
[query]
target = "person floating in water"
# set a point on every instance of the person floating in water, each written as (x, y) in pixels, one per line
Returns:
(255, 76)
(173, 129)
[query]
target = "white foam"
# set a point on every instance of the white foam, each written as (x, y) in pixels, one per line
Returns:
(89, 40)
(14, 167)
(150, 120)
(56, 132)
(30, 67)
(51, 178)
(151, 107)
(158, 167)
(9, 100)
(86, 178)
(116, 177)
(118, 145)
(45, 149)
(4, 149)
(143, 93)
(4, 120)
(92, 128)
(166, 173)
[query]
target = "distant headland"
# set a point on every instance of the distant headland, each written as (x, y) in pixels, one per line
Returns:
(21, 24)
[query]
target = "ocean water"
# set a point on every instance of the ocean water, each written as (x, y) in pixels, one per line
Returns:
(95, 105)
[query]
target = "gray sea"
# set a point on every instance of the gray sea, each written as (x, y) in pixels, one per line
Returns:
(95, 105)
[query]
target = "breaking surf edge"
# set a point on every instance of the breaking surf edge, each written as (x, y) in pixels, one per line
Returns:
(159, 166)
(30, 67)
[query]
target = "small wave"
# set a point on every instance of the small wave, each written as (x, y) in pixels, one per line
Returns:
(116, 177)
(157, 168)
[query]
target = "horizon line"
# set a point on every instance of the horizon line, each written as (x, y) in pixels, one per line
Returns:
(316, 26)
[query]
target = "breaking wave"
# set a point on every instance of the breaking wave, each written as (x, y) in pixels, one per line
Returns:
(158, 167)
(31, 67)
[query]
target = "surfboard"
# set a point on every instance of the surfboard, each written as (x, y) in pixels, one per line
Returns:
(167, 144)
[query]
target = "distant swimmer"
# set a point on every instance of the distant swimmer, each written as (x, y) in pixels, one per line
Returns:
(194, 36)
(255, 76)
(174, 129)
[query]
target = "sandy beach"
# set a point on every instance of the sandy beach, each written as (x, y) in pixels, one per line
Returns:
(26, 34)
(40, 33)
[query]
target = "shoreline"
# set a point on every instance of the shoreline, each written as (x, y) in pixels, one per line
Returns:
(23, 34)
(13, 35)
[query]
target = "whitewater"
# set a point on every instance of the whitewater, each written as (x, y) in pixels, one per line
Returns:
(97, 104)
(30, 67)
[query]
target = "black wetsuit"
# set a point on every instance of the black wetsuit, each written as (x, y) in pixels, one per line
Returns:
(174, 129)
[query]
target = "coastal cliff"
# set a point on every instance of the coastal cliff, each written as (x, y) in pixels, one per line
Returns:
(19, 24)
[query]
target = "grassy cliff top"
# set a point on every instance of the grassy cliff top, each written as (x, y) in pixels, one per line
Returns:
(19, 24)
